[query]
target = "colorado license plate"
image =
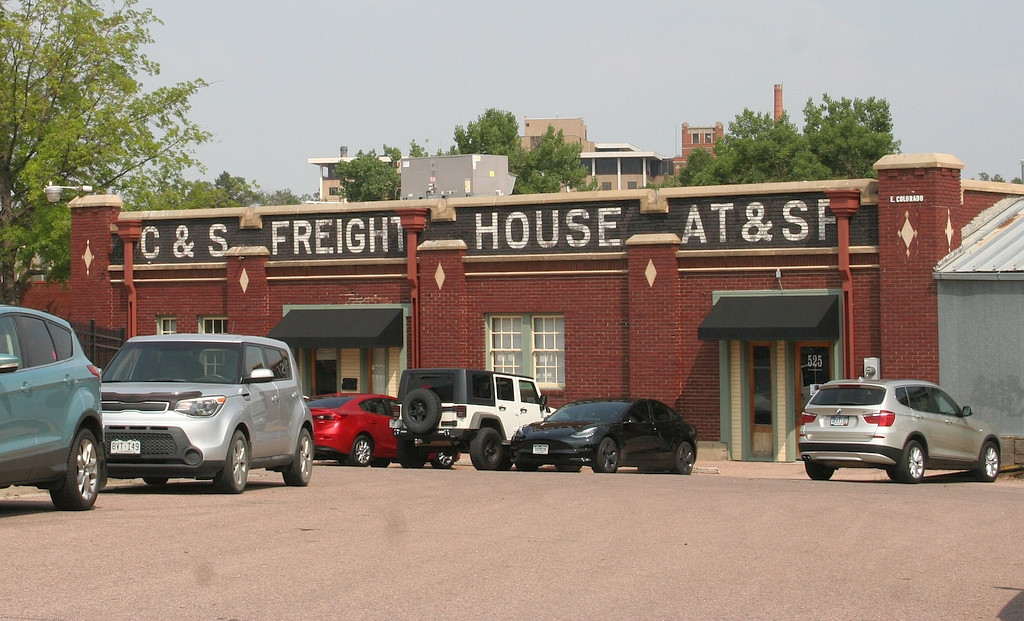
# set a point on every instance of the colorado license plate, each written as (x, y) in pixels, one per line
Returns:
(540, 449)
(125, 447)
(840, 421)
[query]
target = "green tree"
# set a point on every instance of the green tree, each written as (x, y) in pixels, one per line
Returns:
(281, 197)
(495, 132)
(73, 112)
(842, 139)
(849, 135)
(552, 166)
(370, 177)
(238, 192)
(759, 149)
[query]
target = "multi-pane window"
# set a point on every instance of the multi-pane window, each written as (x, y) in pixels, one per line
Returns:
(166, 325)
(213, 325)
(506, 335)
(549, 349)
(528, 345)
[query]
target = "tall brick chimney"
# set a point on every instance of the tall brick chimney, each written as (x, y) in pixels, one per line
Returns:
(778, 102)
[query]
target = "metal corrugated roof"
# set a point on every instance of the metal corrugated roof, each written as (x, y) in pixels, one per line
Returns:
(992, 247)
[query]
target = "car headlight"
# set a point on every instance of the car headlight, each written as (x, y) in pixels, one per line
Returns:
(519, 434)
(202, 406)
(584, 434)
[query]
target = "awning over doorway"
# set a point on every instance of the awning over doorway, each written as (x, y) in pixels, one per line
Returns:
(341, 327)
(772, 317)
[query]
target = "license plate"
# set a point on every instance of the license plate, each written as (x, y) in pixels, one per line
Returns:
(125, 447)
(540, 449)
(840, 421)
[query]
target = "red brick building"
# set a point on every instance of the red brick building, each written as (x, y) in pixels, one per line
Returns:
(726, 302)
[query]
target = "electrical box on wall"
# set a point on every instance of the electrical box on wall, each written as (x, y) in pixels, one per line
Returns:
(872, 368)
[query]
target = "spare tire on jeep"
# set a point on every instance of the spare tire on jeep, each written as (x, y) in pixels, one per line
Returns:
(421, 410)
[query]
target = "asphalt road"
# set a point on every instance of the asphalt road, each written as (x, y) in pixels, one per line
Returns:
(425, 544)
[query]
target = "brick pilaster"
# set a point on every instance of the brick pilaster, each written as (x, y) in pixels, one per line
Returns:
(247, 298)
(918, 208)
(93, 249)
(444, 331)
(654, 341)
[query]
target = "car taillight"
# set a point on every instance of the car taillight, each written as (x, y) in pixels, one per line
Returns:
(328, 416)
(884, 418)
(94, 371)
(460, 411)
(806, 418)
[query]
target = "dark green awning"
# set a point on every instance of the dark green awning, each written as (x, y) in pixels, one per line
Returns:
(773, 318)
(341, 327)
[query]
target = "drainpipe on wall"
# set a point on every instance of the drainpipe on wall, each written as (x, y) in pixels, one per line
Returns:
(413, 222)
(130, 231)
(844, 204)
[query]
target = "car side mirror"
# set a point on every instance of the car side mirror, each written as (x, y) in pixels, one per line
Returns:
(544, 402)
(259, 376)
(9, 363)
(966, 411)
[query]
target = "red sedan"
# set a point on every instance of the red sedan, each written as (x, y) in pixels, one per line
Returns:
(355, 429)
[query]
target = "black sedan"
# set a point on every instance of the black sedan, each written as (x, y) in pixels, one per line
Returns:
(605, 434)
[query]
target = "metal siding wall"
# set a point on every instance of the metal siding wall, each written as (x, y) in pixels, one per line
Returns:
(981, 349)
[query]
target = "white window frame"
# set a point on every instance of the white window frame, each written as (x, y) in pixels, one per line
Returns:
(525, 344)
(212, 319)
(166, 325)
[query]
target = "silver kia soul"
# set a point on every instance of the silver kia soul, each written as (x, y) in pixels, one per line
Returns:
(205, 406)
(901, 426)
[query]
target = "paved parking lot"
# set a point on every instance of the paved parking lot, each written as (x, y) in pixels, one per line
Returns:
(753, 541)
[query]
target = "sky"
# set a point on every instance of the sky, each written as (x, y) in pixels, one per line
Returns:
(295, 79)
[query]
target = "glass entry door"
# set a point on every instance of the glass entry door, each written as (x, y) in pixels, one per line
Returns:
(814, 367)
(762, 408)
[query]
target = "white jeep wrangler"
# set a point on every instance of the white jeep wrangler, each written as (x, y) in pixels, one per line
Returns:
(444, 411)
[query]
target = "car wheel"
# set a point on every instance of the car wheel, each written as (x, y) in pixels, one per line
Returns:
(409, 456)
(80, 484)
(361, 453)
(606, 456)
(685, 458)
(232, 477)
(527, 466)
(988, 464)
(817, 472)
(444, 460)
(298, 473)
(486, 451)
(893, 473)
(421, 410)
(155, 480)
(568, 468)
(910, 469)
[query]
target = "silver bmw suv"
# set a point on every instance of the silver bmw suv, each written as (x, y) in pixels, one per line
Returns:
(901, 426)
(205, 406)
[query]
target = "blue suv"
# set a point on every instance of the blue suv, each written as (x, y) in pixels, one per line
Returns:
(51, 431)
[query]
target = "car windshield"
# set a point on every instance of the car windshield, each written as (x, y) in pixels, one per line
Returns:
(848, 395)
(590, 412)
(176, 361)
(328, 402)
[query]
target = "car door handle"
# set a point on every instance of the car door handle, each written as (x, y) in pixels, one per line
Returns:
(274, 398)
(69, 381)
(26, 388)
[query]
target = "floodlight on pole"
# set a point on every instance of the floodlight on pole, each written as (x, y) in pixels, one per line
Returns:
(53, 192)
